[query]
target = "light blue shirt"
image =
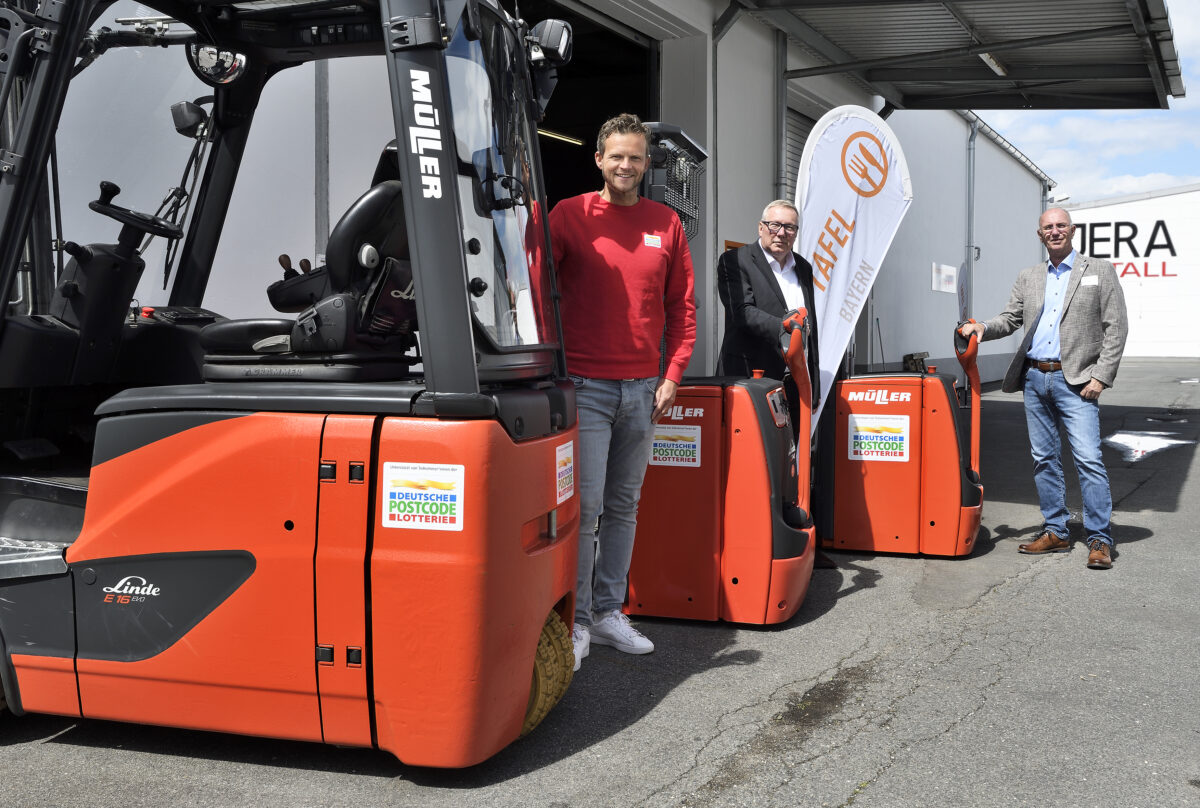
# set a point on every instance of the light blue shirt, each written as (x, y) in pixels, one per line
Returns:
(1045, 343)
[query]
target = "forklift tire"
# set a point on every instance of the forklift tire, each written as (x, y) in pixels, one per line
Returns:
(553, 667)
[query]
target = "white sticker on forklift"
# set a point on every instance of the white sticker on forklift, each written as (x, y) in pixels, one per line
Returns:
(878, 437)
(564, 471)
(423, 496)
(675, 445)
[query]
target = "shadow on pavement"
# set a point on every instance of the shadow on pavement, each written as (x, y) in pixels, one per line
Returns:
(197, 744)
(610, 692)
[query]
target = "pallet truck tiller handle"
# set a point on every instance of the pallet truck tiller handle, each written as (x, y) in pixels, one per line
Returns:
(793, 340)
(967, 351)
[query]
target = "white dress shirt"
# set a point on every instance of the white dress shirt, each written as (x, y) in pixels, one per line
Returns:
(789, 283)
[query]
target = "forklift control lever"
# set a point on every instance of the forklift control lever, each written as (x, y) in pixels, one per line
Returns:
(285, 261)
(142, 222)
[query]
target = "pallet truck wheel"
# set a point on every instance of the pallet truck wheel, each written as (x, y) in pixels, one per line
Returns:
(553, 667)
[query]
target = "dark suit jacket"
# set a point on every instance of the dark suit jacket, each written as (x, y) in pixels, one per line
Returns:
(754, 309)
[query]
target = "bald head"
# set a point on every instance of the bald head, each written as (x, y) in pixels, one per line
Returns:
(1056, 231)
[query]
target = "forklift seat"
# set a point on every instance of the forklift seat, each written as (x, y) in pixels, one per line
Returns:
(377, 220)
(368, 314)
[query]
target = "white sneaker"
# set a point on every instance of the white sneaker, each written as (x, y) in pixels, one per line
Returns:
(614, 629)
(581, 638)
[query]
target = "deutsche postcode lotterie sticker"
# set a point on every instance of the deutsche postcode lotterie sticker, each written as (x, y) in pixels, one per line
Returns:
(564, 471)
(878, 437)
(423, 496)
(675, 445)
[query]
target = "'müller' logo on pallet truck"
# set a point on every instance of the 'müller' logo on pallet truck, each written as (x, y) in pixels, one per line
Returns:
(878, 396)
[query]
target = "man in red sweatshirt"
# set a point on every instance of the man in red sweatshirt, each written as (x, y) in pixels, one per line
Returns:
(625, 274)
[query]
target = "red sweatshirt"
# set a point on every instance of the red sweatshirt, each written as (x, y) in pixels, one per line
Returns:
(626, 279)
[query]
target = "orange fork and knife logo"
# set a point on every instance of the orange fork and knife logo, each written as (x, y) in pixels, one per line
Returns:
(864, 164)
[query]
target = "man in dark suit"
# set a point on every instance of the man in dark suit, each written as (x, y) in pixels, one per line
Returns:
(758, 284)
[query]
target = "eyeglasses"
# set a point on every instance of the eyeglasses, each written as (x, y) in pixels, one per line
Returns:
(1050, 228)
(775, 227)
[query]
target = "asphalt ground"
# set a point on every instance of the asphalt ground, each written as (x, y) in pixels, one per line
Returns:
(996, 680)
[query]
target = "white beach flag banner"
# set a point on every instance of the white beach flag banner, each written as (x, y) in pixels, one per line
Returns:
(853, 190)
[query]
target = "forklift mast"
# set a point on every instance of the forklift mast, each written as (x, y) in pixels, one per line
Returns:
(468, 83)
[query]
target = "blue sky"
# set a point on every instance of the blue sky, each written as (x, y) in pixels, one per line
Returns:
(1099, 154)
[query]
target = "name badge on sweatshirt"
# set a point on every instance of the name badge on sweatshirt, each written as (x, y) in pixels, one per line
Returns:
(1089, 280)
(652, 241)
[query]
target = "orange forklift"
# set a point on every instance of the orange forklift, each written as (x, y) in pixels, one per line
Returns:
(295, 527)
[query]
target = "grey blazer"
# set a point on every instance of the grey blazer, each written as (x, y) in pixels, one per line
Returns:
(1093, 328)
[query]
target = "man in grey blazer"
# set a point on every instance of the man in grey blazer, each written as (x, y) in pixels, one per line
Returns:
(1075, 323)
(758, 284)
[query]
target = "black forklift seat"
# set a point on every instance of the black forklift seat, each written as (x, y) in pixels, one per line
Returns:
(367, 253)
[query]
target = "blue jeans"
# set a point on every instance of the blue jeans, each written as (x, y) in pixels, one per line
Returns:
(615, 433)
(1051, 404)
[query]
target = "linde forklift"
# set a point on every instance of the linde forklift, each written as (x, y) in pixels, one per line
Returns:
(296, 527)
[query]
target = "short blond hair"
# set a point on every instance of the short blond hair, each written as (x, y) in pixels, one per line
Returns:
(624, 124)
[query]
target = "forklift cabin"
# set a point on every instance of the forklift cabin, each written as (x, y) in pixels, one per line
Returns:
(353, 523)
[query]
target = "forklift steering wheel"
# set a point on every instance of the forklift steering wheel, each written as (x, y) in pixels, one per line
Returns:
(144, 222)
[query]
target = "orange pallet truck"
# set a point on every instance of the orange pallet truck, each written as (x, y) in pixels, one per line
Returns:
(724, 531)
(904, 482)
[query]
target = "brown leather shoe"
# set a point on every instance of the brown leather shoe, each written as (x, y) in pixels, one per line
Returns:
(1045, 543)
(1099, 558)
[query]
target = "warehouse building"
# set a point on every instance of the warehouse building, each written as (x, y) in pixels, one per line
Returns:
(746, 80)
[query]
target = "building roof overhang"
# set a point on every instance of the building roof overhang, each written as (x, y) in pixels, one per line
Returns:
(986, 54)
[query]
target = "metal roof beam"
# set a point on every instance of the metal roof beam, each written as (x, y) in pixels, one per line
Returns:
(801, 31)
(959, 75)
(994, 64)
(1032, 99)
(808, 5)
(1149, 50)
(953, 53)
(727, 19)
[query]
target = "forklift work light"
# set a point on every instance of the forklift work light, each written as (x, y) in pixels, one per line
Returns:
(553, 39)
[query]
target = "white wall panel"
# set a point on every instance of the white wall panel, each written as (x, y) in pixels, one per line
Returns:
(1157, 260)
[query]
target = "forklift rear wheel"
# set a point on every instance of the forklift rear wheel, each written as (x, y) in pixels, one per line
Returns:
(553, 667)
